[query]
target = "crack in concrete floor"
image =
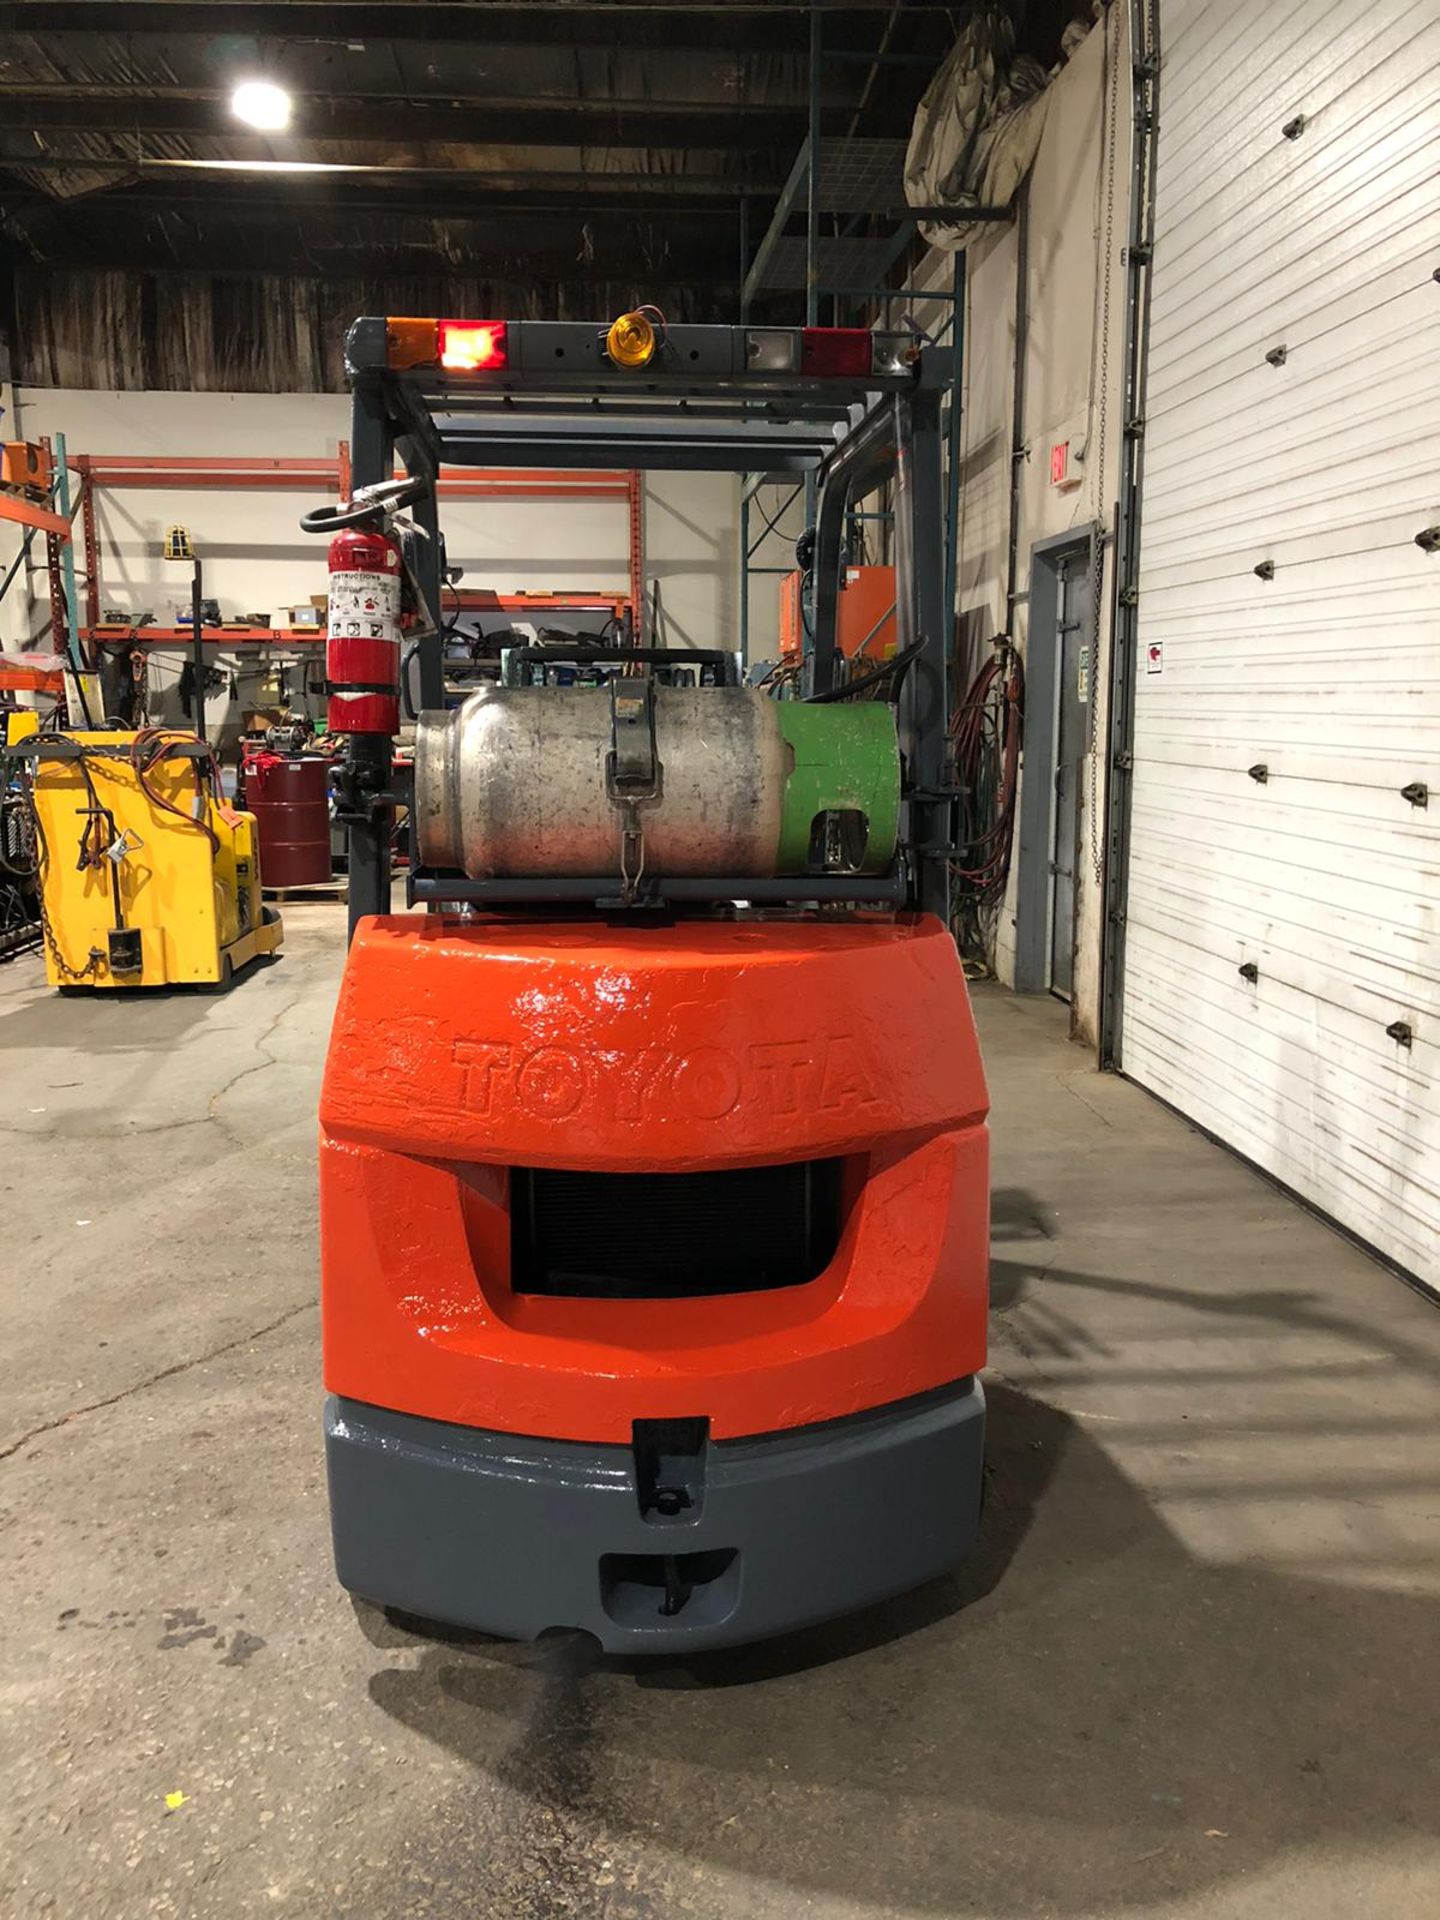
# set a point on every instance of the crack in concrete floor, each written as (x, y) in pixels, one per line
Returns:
(154, 1379)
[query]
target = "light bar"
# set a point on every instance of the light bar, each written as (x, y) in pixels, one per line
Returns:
(636, 341)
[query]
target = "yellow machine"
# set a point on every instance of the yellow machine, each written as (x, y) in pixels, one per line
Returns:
(147, 877)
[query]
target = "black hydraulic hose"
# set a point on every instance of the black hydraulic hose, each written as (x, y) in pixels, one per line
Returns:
(407, 660)
(894, 668)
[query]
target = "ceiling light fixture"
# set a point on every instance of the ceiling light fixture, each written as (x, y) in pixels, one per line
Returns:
(262, 105)
(264, 166)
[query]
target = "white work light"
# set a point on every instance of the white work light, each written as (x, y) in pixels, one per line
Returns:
(262, 105)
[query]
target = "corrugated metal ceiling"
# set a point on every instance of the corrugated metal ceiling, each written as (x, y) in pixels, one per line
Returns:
(557, 158)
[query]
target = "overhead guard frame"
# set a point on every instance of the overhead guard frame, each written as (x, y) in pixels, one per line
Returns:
(852, 434)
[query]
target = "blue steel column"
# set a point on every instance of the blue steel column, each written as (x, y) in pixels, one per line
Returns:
(744, 588)
(812, 215)
(743, 584)
(812, 152)
(71, 636)
(952, 477)
(431, 652)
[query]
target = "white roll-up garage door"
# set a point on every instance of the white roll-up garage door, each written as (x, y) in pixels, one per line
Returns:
(1282, 935)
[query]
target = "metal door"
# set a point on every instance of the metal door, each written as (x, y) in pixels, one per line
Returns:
(1279, 982)
(1072, 729)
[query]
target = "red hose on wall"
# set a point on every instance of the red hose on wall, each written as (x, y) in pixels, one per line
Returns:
(986, 728)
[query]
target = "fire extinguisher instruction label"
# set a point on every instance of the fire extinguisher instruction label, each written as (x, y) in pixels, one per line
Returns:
(364, 606)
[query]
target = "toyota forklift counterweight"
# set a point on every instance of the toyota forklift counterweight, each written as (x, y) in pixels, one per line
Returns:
(654, 1174)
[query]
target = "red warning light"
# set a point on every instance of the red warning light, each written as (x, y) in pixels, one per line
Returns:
(473, 346)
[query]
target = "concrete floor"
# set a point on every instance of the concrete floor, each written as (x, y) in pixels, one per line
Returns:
(1194, 1670)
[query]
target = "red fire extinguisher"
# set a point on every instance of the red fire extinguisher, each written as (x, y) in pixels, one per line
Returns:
(362, 640)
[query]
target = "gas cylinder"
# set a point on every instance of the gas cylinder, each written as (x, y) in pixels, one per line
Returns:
(516, 781)
(362, 645)
(290, 801)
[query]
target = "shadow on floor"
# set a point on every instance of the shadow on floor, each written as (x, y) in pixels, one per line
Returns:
(121, 1020)
(1289, 1310)
(1085, 1718)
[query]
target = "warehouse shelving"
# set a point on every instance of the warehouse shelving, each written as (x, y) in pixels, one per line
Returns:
(326, 474)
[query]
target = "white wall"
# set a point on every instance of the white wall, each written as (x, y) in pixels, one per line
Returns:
(783, 509)
(1065, 282)
(256, 559)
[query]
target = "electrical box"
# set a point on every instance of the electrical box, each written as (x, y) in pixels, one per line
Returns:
(865, 617)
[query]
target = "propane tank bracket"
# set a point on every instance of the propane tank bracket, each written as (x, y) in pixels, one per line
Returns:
(633, 768)
(632, 771)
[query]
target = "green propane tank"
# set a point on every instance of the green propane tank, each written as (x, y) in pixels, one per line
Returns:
(845, 771)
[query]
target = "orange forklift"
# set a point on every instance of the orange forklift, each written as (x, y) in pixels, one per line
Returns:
(653, 1151)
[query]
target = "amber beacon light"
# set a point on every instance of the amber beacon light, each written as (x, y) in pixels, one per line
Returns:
(632, 340)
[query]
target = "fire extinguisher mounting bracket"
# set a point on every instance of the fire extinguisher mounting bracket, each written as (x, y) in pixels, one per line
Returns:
(369, 502)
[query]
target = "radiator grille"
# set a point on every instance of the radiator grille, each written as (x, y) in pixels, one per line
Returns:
(658, 1236)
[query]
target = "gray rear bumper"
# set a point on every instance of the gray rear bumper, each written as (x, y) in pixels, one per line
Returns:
(516, 1536)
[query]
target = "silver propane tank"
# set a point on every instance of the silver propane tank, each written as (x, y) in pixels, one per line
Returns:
(701, 781)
